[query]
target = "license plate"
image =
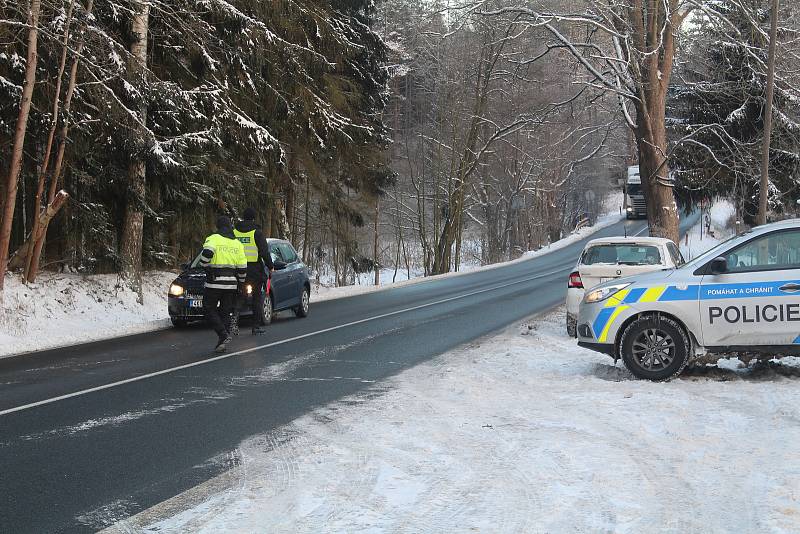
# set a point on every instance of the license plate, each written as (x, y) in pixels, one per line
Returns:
(196, 303)
(604, 280)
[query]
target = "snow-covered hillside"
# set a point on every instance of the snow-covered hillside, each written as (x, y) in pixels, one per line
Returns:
(522, 432)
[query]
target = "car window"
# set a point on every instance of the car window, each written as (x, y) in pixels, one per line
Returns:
(275, 252)
(288, 253)
(677, 257)
(779, 250)
(714, 252)
(621, 254)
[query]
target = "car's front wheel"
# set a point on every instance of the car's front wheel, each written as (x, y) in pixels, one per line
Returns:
(655, 348)
(269, 313)
(305, 302)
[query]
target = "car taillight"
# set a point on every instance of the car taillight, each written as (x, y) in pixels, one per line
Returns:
(575, 280)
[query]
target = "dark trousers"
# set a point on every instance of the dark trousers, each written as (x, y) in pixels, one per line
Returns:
(257, 304)
(218, 304)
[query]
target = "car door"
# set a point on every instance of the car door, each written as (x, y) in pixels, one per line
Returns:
(293, 267)
(756, 301)
(281, 281)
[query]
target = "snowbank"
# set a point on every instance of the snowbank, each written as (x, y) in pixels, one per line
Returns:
(698, 240)
(522, 432)
(65, 309)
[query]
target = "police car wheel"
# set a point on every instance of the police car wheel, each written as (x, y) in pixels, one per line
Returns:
(302, 309)
(655, 348)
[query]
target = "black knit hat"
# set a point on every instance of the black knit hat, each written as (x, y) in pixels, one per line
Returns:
(249, 214)
(223, 222)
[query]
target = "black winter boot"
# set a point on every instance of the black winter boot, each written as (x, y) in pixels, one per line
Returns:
(222, 345)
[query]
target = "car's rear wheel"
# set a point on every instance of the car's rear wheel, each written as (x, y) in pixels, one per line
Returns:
(655, 348)
(305, 303)
(178, 323)
(572, 326)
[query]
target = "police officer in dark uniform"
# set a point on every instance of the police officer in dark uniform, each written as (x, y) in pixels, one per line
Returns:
(224, 261)
(259, 263)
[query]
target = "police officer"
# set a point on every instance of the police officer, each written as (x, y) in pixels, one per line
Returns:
(259, 263)
(224, 260)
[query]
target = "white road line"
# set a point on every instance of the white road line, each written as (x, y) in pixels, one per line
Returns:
(640, 232)
(268, 345)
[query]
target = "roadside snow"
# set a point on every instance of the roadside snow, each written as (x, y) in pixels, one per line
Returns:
(522, 432)
(65, 309)
(698, 240)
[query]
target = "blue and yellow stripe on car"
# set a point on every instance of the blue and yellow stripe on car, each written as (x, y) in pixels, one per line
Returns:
(621, 300)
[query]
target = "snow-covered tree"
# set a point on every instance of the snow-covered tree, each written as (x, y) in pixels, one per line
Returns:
(719, 106)
(183, 109)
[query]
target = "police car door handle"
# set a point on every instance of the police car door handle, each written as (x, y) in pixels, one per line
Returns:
(792, 287)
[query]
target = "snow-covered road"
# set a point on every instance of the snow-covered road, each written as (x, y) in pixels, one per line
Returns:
(521, 432)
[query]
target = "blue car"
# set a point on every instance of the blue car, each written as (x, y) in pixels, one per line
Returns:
(289, 288)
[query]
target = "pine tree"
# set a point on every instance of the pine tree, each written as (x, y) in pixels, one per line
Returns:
(225, 103)
(720, 110)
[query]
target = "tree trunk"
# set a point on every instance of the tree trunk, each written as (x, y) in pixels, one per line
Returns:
(763, 195)
(375, 244)
(133, 225)
(306, 231)
(651, 135)
(15, 168)
(19, 258)
(290, 194)
(32, 263)
(284, 232)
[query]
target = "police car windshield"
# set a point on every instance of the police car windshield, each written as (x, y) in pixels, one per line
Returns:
(714, 252)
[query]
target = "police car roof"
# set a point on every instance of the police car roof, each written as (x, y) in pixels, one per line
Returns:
(788, 223)
(643, 240)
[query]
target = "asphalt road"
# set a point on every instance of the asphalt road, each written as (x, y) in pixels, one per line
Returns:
(73, 460)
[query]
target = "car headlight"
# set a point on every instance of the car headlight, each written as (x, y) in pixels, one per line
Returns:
(249, 289)
(175, 290)
(603, 293)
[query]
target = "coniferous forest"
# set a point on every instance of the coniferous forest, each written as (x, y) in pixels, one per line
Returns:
(391, 134)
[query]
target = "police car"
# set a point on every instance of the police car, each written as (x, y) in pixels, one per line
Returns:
(609, 258)
(741, 296)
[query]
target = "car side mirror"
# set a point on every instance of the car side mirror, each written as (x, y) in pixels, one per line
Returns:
(719, 265)
(279, 265)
